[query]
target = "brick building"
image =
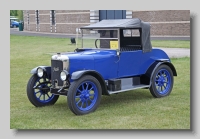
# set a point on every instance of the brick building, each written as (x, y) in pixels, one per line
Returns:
(163, 22)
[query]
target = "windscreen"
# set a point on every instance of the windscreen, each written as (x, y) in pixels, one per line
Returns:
(98, 39)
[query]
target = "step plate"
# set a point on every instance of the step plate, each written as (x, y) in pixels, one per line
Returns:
(129, 87)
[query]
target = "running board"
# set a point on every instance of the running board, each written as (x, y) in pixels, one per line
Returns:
(128, 88)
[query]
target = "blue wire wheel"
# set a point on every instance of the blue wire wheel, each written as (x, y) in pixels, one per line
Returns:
(163, 81)
(86, 96)
(38, 91)
(42, 91)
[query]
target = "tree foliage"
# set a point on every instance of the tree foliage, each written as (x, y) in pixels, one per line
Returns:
(17, 13)
(13, 12)
(20, 14)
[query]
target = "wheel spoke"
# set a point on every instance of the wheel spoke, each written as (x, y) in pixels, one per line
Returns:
(165, 81)
(91, 94)
(40, 95)
(90, 89)
(78, 96)
(83, 87)
(48, 95)
(86, 103)
(78, 101)
(82, 104)
(90, 100)
(79, 90)
(87, 86)
(37, 92)
(159, 88)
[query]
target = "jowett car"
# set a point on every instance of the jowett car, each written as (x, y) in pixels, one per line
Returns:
(116, 56)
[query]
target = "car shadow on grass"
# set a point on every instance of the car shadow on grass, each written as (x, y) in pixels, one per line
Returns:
(127, 97)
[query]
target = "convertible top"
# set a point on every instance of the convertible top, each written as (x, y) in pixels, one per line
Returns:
(134, 23)
(117, 23)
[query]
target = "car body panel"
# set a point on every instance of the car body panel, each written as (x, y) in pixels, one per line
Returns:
(110, 65)
(95, 59)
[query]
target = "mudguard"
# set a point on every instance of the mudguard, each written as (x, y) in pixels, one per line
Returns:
(149, 73)
(47, 70)
(78, 74)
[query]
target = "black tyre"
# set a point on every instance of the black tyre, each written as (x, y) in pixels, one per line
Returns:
(38, 92)
(162, 81)
(84, 95)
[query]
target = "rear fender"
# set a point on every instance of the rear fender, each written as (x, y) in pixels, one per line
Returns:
(146, 78)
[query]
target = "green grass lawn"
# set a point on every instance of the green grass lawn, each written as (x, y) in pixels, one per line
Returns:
(171, 44)
(129, 110)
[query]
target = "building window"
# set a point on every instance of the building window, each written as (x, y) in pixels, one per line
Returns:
(37, 17)
(53, 17)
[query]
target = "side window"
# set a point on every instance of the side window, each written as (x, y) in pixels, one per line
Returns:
(131, 33)
(135, 33)
(127, 33)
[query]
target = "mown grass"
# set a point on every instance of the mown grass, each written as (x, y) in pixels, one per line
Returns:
(171, 44)
(129, 110)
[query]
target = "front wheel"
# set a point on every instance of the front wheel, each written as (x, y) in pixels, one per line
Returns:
(162, 81)
(38, 92)
(84, 95)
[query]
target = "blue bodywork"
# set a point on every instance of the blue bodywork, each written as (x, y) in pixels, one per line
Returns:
(122, 61)
(110, 65)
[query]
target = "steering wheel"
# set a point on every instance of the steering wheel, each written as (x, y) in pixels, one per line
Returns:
(96, 43)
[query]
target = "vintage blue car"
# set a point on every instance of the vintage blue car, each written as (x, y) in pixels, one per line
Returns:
(116, 56)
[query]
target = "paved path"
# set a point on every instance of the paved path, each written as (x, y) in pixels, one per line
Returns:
(172, 52)
(177, 52)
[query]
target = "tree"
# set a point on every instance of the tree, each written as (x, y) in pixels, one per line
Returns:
(20, 14)
(17, 13)
(13, 12)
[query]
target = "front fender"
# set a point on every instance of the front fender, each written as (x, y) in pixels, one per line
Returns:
(78, 74)
(47, 69)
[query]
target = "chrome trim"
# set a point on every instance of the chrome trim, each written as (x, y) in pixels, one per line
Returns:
(65, 60)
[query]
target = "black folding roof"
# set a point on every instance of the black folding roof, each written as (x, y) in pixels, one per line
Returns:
(116, 23)
(129, 24)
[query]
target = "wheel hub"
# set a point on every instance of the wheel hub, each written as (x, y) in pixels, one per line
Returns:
(84, 95)
(161, 81)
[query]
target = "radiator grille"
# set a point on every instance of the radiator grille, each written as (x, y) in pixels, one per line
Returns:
(56, 68)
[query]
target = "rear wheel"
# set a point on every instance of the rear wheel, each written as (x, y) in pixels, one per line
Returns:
(38, 92)
(162, 81)
(84, 95)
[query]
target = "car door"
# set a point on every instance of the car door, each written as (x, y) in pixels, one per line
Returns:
(129, 63)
